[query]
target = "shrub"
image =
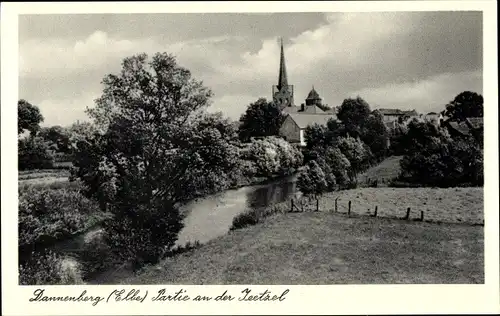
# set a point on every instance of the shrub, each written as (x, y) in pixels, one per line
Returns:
(274, 156)
(33, 153)
(357, 153)
(444, 162)
(257, 215)
(312, 180)
(48, 268)
(95, 255)
(46, 215)
(143, 234)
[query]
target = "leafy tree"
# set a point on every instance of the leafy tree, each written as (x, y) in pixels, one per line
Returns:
(80, 131)
(262, 118)
(28, 117)
(397, 139)
(421, 135)
(312, 180)
(58, 138)
(338, 164)
(274, 156)
(357, 153)
(354, 113)
(155, 147)
(289, 156)
(445, 162)
(375, 135)
(316, 136)
(466, 104)
(34, 153)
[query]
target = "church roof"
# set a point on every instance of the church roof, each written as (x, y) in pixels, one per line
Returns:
(313, 95)
(283, 79)
(303, 120)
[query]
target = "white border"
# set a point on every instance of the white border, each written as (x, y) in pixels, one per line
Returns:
(334, 299)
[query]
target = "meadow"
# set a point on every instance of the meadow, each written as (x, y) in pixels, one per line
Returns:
(327, 248)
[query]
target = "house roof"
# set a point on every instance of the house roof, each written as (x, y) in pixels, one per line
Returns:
(290, 109)
(303, 120)
(397, 112)
(312, 109)
(308, 109)
(475, 122)
(461, 127)
(390, 111)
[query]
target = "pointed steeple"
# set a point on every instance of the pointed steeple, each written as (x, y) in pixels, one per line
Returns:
(282, 80)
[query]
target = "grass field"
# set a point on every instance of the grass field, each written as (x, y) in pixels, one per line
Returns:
(388, 169)
(327, 248)
(453, 205)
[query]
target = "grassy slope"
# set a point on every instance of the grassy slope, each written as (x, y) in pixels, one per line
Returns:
(326, 248)
(386, 170)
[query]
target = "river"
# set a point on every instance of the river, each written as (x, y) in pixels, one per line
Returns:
(206, 218)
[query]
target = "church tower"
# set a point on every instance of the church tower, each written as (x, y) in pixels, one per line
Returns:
(282, 92)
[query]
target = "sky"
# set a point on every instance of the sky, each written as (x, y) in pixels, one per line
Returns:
(405, 60)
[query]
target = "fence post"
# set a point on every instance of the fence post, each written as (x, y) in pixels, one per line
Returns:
(291, 210)
(422, 216)
(407, 214)
(349, 209)
(317, 205)
(336, 204)
(376, 209)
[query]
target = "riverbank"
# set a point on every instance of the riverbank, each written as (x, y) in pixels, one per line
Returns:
(329, 248)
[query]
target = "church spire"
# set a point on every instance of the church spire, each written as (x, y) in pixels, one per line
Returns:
(282, 80)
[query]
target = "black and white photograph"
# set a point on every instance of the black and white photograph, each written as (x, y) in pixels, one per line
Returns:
(262, 148)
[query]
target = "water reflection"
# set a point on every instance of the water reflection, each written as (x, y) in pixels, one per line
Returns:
(212, 216)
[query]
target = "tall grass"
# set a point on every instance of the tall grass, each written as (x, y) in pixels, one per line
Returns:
(257, 215)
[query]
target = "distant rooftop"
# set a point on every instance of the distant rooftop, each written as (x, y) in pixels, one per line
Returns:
(397, 112)
(303, 120)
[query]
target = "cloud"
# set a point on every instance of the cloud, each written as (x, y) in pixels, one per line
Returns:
(393, 58)
(65, 111)
(61, 57)
(431, 94)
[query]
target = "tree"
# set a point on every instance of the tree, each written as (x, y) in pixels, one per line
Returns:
(375, 135)
(445, 162)
(338, 165)
(57, 137)
(312, 180)
(28, 117)
(155, 146)
(357, 153)
(80, 131)
(34, 153)
(466, 104)
(354, 113)
(316, 136)
(261, 119)
(421, 135)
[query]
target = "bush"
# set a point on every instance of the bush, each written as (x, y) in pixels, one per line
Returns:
(444, 162)
(312, 180)
(95, 255)
(274, 156)
(33, 153)
(257, 215)
(49, 268)
(46, 215)
(143, 234)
